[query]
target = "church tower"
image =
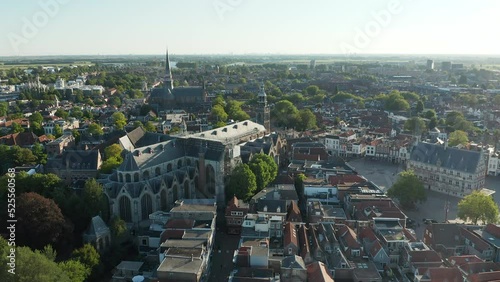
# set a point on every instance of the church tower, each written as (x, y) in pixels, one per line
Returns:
(263, 111)
(168, 81)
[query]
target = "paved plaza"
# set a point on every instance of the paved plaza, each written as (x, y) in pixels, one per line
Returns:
(385, 173)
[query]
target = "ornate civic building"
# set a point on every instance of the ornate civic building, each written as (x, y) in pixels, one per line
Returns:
(159, 169)
(167, 96)
(447, 170)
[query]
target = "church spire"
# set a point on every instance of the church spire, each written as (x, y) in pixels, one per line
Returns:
(168, 73)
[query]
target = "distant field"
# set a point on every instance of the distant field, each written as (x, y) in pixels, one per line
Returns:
(27, 66)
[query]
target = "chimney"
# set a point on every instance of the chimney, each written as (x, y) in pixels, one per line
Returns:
(446, 143)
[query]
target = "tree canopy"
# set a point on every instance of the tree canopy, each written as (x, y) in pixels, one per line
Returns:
(408, 189)
(285, 114)
(40, 221)
(264, 168)
(478, 207)
(31, 266)
(415, 124)
(458, 137)
(242, 182)
(119, 120)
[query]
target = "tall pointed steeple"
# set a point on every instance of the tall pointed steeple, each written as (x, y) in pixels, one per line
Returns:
(169, 83)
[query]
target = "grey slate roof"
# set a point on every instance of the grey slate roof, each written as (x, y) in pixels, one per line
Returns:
(129, 164)
(80, 159)
(272, 205)
(293, 262)
(97, 227)
(450, 158)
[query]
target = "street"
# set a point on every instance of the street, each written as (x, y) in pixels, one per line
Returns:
(222, 260)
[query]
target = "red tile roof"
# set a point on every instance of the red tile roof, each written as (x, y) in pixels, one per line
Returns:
(442, 274)
(478, 267)
(375, 248)
(304, 242)
(460, 260)
(367, 233)
(290, 233)
(178, 223)
(293, 213)
(172, 234)
(349, 236)
(345, 178)
(424, 256)
(493, 229)
(485, 277)
(318, 272)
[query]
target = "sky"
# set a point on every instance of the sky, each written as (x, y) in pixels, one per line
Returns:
(121, 27)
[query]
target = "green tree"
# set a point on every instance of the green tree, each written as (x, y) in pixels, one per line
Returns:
(21, 156)
(478, 207)
(4, 109)
(108, 165)
(87, 255)
(75, 270)
(218, 113)
(433, 122)
(95, 129)
(242, 182)
(299, 184)
(49, 252)
(307, 120)
(458, 137)
(429, 114)
(40, 221)
(137, 124)
(285, 113)
(396, 102)
(408, 189)
(150, 127)
(420, 107)
(58, 132)
(119, 120)
(113, 151)
(36, 118)
(76, 112)
(61, 113)
(312, 90)
(219, 100)
(30, 266)
(415, 124)
(118, 227)
(93, 197)
(16, 128)
(77, 135)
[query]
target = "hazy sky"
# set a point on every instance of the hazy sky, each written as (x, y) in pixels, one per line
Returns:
(93, 27)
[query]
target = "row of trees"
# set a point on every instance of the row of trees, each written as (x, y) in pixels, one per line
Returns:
(248, 179)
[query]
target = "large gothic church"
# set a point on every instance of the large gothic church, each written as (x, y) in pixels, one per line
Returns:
(167, 96)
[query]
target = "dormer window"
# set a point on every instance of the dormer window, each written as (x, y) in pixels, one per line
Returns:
(265, 208)
(278, 209)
